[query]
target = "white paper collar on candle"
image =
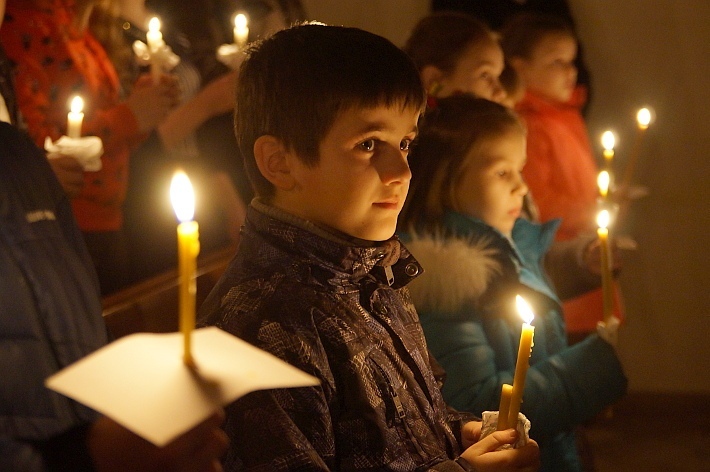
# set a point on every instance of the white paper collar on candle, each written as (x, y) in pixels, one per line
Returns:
(165, 55)
(87, 150)
(141, 382)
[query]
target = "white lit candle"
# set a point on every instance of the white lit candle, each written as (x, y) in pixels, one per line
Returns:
(75, 117)
(241, 30)
(608, 143)
(155, 43)
(183, 200)
(603, 184)
(603, 234)
(522, 364)
(644, 117)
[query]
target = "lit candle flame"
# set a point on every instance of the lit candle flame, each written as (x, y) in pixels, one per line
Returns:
(603, 219)
(608, 140)
(182, 197)
(77, 104)
(240, 21)
(154, 25)
(644, 118)
(603, 182)
(524, 309)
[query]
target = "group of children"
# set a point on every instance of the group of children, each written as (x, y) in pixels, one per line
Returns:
(348, 140)
(321, 280)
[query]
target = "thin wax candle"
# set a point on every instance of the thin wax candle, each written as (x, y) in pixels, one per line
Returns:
(75, 117)
(183, 200)
(522, 364)
(603, 234)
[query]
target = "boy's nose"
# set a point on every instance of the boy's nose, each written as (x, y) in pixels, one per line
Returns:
(394, 167)
(521, 188)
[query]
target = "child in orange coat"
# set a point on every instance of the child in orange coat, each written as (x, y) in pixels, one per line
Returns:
(561, 170)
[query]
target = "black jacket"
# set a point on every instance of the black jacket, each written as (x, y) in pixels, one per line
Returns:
(338, 310)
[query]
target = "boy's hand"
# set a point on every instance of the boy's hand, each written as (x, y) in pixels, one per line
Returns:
(151, 102)
(114, 448)
(482, 455)
(69, 173)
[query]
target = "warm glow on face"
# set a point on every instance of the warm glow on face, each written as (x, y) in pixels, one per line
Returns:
(603, 219)
(524, 309)
(77, 104)
(154, 25)
(608, 140)
(182, 197)
(240, 21)
(603, 182)
(644, 118)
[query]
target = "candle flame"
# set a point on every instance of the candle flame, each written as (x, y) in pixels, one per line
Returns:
(182, 197)
(644, 118)
(603, 182)
(524, 309)
(603, 219)
(608, 140)
(240, 21)
(154, 24)
(77, 104)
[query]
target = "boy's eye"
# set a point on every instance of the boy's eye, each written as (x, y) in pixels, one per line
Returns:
(405, 144)
(368, 145)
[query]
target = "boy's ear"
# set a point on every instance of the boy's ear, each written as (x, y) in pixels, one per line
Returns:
(272, 160)
(431, 78)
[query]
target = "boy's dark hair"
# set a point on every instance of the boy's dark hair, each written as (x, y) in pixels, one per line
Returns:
(448, 135)
(295, 84)
(441, 38)
(524, 31)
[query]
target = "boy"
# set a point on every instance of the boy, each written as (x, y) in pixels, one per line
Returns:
(325, 116)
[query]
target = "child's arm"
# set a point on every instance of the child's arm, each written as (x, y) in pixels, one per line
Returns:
(561, 391)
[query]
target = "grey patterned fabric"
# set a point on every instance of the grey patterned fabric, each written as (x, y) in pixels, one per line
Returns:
(324, 304)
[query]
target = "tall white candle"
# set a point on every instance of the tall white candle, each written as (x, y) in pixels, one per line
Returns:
(155, 43)
(241, 30)
(75, 117)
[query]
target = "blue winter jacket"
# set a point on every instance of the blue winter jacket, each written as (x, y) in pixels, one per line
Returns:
(50, 310)
(466, 303)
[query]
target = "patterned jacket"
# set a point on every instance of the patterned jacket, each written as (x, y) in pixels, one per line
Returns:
(340, 311)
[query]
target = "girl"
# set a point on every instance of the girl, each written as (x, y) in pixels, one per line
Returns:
(462, 214)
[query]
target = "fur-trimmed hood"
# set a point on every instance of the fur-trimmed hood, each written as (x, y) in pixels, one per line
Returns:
(457, 271)
(465, 257)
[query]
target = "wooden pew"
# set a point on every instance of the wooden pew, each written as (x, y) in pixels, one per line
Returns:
(152, 305)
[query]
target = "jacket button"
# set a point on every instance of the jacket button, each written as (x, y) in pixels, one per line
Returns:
(411, 269)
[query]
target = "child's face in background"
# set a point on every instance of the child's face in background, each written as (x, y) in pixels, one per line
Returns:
(550, 71)
(477, 72)
(361, 180)
(491, 186)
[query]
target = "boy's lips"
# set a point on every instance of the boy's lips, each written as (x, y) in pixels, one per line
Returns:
(390, 203)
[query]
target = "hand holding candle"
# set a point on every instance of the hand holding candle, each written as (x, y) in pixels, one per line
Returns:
(183, 200)
(75, 117)
(241, 30)
(522, 364)
(603, 234)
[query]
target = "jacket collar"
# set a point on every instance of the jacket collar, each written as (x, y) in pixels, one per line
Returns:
(342, 255)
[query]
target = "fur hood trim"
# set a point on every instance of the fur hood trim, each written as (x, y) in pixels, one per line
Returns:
(456, 272)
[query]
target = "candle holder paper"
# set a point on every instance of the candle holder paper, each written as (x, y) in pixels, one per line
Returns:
(231, 55)
(87, 150)
(490, 425)
(165, 56)
(140, 380)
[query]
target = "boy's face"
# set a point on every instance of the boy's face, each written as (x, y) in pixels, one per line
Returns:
(491, 187)
(550, 71)
(361, 180)
(477, 72)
